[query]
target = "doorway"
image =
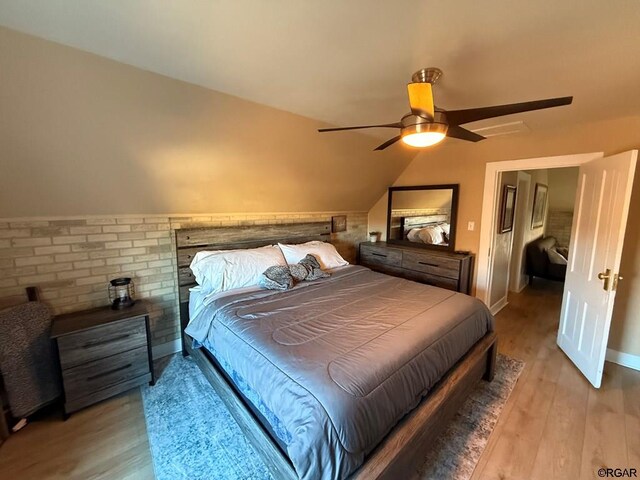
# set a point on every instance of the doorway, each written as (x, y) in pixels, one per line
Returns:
(535, 213)
(489, 220)
(599, 224)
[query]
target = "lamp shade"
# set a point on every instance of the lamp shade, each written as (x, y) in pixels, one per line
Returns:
(424, 135)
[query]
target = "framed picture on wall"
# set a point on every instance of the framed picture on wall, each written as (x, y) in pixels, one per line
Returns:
(506, 211)
(539, 206)
(339, 224)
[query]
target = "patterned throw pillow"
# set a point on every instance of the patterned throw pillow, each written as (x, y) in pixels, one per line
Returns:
(280, 277)
(277, 277)
(308, 269)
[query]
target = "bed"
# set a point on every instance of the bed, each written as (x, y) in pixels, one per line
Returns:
(334, 378)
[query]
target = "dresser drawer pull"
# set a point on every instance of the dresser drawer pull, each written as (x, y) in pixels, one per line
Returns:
(109, 372)
(104, 342)
(378, 254)
(429, 264)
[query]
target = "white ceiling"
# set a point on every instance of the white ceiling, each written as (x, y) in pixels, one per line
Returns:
(347, 62)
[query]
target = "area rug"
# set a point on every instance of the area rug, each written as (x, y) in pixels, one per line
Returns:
(193, 436)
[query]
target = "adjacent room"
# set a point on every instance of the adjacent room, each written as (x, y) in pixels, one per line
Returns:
(319, 240)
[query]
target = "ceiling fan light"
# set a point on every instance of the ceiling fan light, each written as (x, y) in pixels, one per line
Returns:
(424, 135)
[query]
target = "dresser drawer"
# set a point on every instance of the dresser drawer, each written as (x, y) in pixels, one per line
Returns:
(435, 280)
(433, 264)
(373, 255)
(105, 373)
(99, 342)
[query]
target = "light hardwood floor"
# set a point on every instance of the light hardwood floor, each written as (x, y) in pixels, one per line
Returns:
(554, 426)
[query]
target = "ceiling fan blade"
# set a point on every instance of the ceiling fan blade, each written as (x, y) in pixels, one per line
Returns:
(463, 134)
(384, 125)
(421, 99)
(388, 143)
(458, 117)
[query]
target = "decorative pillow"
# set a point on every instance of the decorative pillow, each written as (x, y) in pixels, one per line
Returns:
(281, 277)
(327, 255)
(277, 277)
(222, 270)
(555, 257)
(307, 269)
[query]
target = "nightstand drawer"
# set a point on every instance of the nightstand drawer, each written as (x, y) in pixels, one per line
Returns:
(442, 266)
(93, 344)
(380, 256)
(106, 372)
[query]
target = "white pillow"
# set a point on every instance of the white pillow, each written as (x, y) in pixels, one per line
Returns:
(556, 257)
(327, 255)
(414, 235)
(222, 270)
(445, 227)
(431, 235)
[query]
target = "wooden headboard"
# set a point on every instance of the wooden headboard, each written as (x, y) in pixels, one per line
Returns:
(190, 241)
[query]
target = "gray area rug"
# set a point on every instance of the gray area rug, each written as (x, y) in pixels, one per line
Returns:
(193, 436)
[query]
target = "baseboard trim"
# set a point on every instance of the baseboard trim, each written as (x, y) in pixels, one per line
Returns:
(625, 359)
(164, 349)
(499, 305)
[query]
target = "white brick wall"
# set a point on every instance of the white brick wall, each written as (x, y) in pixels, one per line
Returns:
(559, 226)
(72, 260)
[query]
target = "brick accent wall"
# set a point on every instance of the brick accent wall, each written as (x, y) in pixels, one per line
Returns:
(559, 226)
(71, 260)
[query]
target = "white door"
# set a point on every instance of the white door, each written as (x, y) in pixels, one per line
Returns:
(602, 205)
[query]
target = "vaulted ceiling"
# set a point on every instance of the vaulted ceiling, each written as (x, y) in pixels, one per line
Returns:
(347, 62)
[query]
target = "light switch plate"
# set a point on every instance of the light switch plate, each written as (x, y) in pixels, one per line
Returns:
(471, 226)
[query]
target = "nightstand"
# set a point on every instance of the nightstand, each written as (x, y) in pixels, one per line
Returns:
(102, 352)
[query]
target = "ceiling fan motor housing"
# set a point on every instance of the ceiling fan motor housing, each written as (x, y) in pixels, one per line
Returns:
(427, 75)
(416, 123)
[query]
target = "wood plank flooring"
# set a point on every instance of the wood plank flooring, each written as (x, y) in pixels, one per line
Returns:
(554, 426)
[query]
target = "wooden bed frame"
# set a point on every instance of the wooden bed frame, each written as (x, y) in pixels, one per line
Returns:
(400, 453)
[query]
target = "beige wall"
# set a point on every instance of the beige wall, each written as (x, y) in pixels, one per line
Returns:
(422, 200)
(563, 183)
(84, 135)
(464, 163)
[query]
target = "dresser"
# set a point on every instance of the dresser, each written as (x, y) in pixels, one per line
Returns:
(435, 267)
(102, 353)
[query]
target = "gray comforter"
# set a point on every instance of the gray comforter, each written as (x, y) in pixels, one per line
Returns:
(336, 363)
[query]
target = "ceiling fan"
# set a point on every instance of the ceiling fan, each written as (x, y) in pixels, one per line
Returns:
(427, 124)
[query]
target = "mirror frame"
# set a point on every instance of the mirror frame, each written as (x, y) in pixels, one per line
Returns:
(454, 187)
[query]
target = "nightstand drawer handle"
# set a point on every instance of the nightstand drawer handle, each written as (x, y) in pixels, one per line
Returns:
(104, 342)
(109, 372)
(378, 254)
(429, 264)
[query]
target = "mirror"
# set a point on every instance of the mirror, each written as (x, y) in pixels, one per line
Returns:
(423, 216)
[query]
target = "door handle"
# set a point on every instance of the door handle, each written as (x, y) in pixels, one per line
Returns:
(606, 276)
(616, 278)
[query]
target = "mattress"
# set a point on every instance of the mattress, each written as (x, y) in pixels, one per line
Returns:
(334, 364)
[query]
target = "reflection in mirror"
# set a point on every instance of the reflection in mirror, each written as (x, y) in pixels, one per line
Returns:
(423, 216)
